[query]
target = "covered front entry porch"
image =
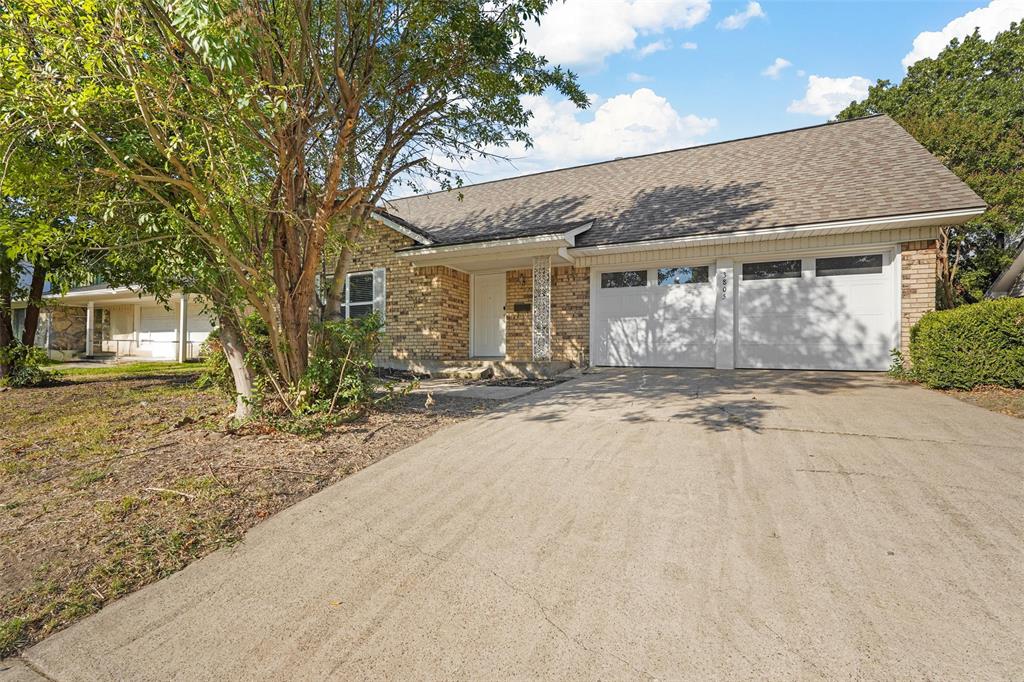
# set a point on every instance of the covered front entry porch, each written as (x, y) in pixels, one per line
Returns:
(117, 323)
(528, 302)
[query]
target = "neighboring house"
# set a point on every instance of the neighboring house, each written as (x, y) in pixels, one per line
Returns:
(808, 249)
(101, 321)
(1011, 281)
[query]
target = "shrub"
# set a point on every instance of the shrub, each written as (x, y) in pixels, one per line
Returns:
(973, 345)
(25, 365)
(341, 371)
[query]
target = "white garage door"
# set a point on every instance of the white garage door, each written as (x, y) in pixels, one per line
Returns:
(826, 312)
(657, 317)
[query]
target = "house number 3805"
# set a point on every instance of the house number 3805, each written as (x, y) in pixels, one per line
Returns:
(725, 284)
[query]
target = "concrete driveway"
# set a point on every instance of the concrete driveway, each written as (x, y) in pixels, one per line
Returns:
(629, 524)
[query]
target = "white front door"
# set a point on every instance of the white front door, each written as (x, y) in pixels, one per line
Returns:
(489, 315)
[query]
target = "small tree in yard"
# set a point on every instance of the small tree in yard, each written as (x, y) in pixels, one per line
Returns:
(266, 129)
(42, 237)
(966, 106)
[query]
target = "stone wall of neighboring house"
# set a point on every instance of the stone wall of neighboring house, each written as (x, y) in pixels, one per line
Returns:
(570, 315)
(426, 310)
(67, 328)
(918, 262)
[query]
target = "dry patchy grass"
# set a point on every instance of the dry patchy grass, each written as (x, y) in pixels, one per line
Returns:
(1008, 401)
(113, 479)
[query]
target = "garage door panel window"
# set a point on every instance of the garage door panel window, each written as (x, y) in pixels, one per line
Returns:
(682, 275)
(626, 278)
(848, 265)
(775, 269)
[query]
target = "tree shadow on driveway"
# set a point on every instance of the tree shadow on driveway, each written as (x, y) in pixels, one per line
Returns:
(716, 400)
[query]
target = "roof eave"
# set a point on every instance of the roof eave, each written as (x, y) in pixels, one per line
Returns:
(938, 218)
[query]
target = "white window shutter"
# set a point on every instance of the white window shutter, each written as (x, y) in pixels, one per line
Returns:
(379, 288)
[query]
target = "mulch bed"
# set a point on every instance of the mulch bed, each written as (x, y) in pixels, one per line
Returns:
(109, 483)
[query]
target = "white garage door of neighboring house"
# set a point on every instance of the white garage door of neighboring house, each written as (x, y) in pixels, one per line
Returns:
(824, 312)
(158, 331)
(829, 311)
(659, 317)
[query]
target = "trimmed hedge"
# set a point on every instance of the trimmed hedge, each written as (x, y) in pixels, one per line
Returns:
(973, 345)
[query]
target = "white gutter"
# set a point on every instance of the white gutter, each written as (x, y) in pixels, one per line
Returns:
(808, 230)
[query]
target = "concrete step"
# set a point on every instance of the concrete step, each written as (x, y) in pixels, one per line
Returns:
(472, 372)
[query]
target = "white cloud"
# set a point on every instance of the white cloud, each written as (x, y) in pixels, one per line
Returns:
(650, 48)
(689, 46)
(634, 77)
(774, 70)
(584, 32)
(624, 125)
(741, 19)
(989, 21)
(828, 96)
(801, 73)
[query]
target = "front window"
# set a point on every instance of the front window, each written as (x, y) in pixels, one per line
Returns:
(776, 269)
(627, 278)
(358, 294)
(684, 275)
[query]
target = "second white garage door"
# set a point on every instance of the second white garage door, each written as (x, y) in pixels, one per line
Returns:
(825, 312)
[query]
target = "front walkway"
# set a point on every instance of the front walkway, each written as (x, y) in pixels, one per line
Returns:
(634, 524)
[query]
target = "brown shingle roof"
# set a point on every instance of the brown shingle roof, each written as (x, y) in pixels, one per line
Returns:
(864, 168)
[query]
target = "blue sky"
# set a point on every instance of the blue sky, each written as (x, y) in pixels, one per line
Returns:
(673, 73)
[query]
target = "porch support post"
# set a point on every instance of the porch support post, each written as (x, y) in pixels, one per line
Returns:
(183, 328)
(90, 326)
(542, 308)
(136, 327)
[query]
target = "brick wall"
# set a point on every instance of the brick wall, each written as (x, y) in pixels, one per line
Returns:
(918, 262)
(518, 326)
(570, 314)
(426, 310)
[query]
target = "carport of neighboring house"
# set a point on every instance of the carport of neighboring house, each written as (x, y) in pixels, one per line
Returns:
(117, 322)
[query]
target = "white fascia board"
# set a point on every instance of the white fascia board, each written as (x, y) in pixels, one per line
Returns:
(93, 293)
(514, 244)
(809, 230)
(401, 229)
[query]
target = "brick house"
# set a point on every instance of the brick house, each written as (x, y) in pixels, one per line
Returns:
(808, 249)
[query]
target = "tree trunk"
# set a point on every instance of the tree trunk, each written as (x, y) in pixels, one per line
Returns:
(234, 351)
(8, 280)
(35, 297)
(341, 268)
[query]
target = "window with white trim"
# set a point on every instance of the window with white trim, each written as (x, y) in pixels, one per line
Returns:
(364, 293)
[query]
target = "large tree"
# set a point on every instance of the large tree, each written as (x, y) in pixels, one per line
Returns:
(966, 106)
(264, 127)
(44, 237)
